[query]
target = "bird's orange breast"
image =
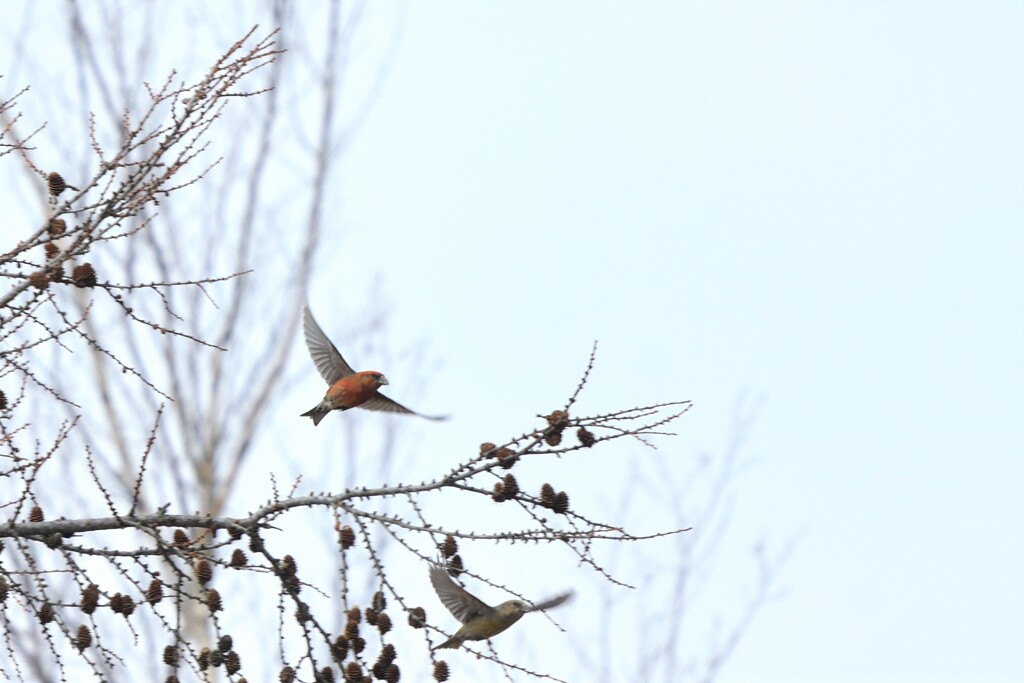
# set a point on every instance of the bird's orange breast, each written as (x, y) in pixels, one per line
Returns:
(352, 391)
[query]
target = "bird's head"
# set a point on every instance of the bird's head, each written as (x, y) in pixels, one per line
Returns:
(511, 610)
(377, 378)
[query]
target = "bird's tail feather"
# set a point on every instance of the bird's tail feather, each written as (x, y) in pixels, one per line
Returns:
(316, 414)
(453, 642)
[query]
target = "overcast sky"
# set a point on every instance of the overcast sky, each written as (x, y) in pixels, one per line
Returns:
(817, 204)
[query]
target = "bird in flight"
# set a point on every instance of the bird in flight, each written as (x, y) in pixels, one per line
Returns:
(348, 388)
(479, 620)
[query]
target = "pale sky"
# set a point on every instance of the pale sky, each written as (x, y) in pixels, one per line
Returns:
(821, 205)
(813, 208)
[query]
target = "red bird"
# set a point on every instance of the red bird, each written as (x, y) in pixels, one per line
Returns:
(349, 389)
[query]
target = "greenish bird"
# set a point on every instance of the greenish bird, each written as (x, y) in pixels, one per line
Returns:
(479, 620)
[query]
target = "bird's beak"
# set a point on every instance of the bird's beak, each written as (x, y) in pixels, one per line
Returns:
(383, 380)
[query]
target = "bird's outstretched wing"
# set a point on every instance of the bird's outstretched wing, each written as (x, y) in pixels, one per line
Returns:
(326, 358)
(386, 405)
(459, 602)
(551, 602)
